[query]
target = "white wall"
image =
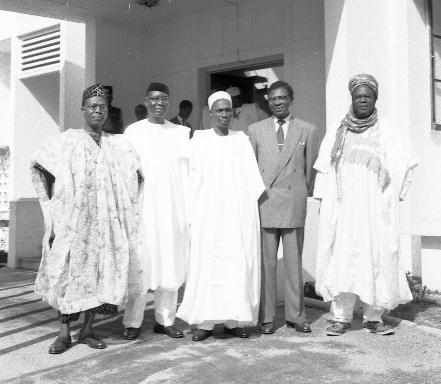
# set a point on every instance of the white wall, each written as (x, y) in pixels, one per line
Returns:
(174, 53)
(123, 61)
(5, 92)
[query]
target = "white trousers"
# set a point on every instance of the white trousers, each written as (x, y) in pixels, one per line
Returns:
(209, 325)
(165, 309)
(342, 308)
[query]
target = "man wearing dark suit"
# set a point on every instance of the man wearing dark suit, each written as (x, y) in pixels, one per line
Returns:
(285, 149)
(185, 109)
(114, 122)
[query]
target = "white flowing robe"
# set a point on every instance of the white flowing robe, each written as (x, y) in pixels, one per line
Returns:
(93, 214)
(224, 268)
(161, 148)
(358, 245)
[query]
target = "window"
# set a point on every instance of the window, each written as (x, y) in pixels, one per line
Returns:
(435, 15)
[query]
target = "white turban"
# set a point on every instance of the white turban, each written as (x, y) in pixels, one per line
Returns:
(218, 96)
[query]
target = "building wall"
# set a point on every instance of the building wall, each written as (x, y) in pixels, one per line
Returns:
(123, 60)
(175, 53)
(291, 29)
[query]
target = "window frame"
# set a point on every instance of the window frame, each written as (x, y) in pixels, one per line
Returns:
(435, 126)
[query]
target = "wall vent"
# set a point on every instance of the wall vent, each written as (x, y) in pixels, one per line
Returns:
(40, 52)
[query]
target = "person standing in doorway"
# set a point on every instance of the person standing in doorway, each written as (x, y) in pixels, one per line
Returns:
(114, 122)
(140, 112)
(161, 146)
(285, 148)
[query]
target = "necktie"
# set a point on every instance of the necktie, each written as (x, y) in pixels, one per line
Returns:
(280, 137)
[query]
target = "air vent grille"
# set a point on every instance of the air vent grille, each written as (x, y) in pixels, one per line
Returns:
(40, 52)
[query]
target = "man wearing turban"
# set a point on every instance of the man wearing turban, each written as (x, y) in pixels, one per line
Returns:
(364, 171)
(161, 146)
(223, 284)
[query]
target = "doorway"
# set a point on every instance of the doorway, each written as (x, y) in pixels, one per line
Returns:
(251, 77)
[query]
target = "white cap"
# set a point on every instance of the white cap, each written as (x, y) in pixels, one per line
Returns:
(233, 91)
(218, 96)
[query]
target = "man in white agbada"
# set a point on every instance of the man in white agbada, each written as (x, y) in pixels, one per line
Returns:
(223, 284)
(88, 183)
(364, 171)
(244, 114)
(160, 145)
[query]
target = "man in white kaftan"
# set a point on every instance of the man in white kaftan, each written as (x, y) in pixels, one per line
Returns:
(364, 170)
(244, 114)
(223, 284)
(161, 145)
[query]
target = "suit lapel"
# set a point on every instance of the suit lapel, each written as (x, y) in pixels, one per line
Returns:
(291, 141)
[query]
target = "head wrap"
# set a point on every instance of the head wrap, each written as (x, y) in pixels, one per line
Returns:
(159, 87)
(233, 91)
(363, 79)
(218, 96)
(92, 91)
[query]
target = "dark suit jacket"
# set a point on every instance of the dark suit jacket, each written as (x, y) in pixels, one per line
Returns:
(288, 175)
(176, 121)
(114, 122)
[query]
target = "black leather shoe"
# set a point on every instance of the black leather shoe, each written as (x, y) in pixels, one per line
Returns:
(92, 341)
(267, 328)
(131, 333)
(299, 327)
(237, 332)
(170, 331)
(60, 345)
(201, 334)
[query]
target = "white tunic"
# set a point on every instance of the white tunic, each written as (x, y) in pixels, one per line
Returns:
(161, 148)
(358, 246)
(224, 268)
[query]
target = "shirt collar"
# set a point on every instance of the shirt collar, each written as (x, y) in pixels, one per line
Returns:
(286, 119)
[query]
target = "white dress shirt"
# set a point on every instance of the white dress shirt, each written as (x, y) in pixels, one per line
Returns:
(284, 126)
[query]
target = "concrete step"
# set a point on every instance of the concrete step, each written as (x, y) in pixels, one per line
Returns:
(32, 263)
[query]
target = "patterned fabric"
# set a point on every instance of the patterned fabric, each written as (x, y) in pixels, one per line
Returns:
(96, 138)
(68, 318)
(350, 123)
(94, 258)
(106, 309)
(92, 91)
(363, 79)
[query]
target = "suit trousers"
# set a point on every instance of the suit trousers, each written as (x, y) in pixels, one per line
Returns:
(292, 240)
(165, 309)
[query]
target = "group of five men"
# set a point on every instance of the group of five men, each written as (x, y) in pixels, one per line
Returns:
(151, 209)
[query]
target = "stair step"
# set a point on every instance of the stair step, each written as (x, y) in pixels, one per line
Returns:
(32, 263)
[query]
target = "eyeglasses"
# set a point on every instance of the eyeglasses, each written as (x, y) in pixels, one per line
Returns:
(93, 107)
(273, 99)
(156, 100)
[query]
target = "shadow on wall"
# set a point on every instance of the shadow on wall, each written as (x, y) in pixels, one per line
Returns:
(5, 63)
(331, 30)
(46, 90)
